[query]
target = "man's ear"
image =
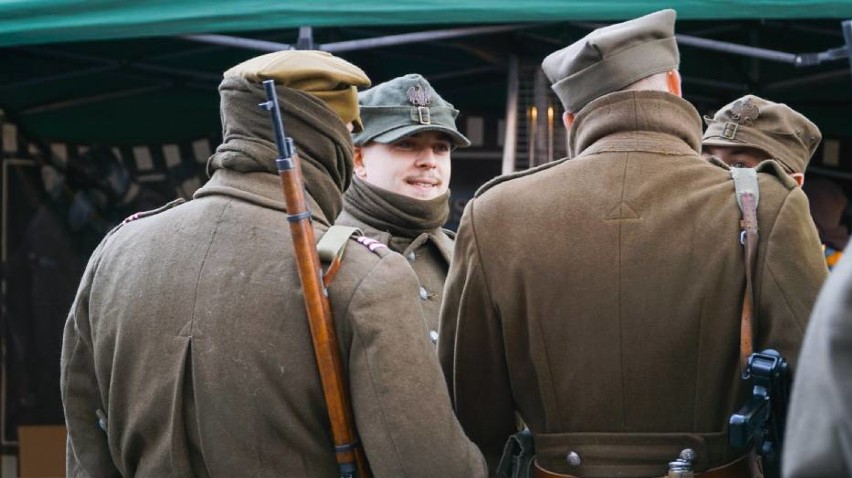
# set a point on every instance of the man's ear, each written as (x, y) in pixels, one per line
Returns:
(358, 162)
(673, 82)
(799, 177)
(568, 119)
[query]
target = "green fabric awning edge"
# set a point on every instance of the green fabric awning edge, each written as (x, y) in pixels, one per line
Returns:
(56, 21)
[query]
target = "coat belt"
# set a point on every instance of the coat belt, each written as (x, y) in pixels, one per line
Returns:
(737, 469)
(630, 454)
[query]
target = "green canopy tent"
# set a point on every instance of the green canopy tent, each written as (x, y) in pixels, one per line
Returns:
(122, 64)
(140, 77)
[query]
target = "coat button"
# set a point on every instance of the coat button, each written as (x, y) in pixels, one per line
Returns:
(410, 257)
(688, 455)
(433, 334)
(423, 294)
(573, 459)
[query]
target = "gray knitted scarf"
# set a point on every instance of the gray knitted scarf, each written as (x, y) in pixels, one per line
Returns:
(394, 213)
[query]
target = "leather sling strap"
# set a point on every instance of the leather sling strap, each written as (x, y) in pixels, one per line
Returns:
(748, 197)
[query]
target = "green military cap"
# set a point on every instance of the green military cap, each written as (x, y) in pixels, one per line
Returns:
(611, 58)
(774, 128)
(402, 107)
(333, 80)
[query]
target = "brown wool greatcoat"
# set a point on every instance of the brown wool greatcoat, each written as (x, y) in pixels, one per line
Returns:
(818, 442)
(600, 296)
(201, 361)
(429, 254)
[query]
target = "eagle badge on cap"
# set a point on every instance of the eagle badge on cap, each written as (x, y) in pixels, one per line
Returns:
(419, 96)
(743, 112)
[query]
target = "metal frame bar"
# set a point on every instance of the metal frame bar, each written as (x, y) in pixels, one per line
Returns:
(416, 37)
(115, 65)
(362, 44)
(4, 256)
(723, 85)
(247, 43)
(510, 140)
(735, 48)
(807, 80)
(58, 77)
(833, 173)
(92, 99)
(797, 59)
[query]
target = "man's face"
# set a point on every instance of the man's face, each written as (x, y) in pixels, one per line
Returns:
(736, 157)
(416, 166)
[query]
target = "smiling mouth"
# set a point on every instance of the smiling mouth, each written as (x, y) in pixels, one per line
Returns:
(424, 183)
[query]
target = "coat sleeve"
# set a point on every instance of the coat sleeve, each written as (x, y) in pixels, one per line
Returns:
(819, 424)
(792, 273)
(471, 349)
(87, 453)
(402, 409)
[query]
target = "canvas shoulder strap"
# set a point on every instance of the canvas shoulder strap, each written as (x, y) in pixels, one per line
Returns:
(331, 247)
(748, 197)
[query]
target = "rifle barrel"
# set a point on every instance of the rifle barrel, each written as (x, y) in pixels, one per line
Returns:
(350, 457)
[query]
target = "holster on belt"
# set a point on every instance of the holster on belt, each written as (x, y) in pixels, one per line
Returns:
(518, 456)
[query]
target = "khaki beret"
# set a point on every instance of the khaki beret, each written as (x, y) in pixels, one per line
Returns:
(402, 107)
(331, 79)
(611, 58)
(774, 128)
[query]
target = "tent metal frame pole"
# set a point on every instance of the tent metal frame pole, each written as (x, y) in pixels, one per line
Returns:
(470, 71)
(59, 77)
(726, 47)
(92, 99)
(806, 80)
(4, 257)
(797, 59)
(110, 65)
(510, 139)
(362, 44)
(238, 42)
(416, 37)
(829, 172)
(722, 85)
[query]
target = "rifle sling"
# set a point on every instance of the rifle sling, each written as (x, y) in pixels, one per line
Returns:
(748, 197)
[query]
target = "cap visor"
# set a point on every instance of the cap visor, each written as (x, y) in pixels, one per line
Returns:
(409, 130)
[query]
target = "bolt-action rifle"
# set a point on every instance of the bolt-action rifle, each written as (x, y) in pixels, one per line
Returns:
(350, 456)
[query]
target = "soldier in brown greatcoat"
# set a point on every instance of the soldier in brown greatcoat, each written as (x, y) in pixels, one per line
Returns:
(819, 423)
(400, 194)
(600, 296)
(750, 130)
(187, 351)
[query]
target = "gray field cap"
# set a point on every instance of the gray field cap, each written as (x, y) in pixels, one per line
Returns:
(774, 128)
(402, 107)
(611, 58)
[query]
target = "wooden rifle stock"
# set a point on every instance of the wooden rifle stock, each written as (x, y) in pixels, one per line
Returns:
(350, 456)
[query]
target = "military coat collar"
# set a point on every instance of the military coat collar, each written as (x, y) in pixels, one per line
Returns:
(652, 121)
(261, 188)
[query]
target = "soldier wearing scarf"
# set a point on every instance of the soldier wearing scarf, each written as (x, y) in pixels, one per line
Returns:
(187, 350)
(400, 193)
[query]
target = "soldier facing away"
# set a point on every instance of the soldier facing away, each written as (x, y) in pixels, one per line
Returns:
(400, 193)
(187, 350)
(600, 296)
(750, 130)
